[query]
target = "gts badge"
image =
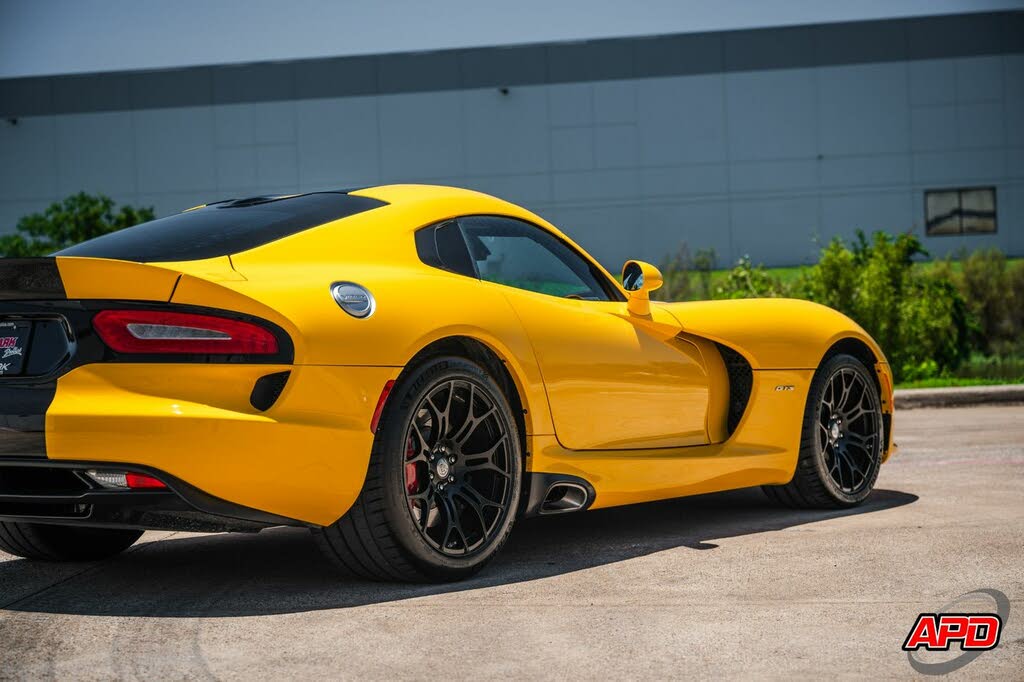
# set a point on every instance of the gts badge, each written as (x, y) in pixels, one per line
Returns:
(783, 387)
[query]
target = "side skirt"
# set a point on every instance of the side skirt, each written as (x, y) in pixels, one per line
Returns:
(763, 450)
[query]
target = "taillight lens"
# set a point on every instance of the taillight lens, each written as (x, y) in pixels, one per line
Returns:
(154, 331)
(125, 480)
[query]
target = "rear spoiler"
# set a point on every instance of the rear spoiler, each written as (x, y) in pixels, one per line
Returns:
(66, 277)
(29, 279)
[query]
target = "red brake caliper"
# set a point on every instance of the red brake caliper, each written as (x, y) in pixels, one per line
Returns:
(412, 482)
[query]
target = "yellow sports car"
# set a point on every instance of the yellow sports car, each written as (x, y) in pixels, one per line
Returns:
(405, 370)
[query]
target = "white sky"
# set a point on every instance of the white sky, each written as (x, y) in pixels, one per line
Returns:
(47, 37)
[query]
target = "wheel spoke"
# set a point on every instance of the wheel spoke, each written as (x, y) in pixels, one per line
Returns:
(849, 468)
(470, 427)
(844, 396)
(444, 416)
(485, 460)
(422, 501)
(454, 434)
(855, 414)
(828, 400)
(421, 455)
(452, 523)
(479, 511)
(854, 468)
(860, 440)
(823, 434)
(480, 498)
(425, 444)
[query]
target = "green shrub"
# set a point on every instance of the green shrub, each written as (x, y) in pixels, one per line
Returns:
(919, 319)
(704, 264)
(928, 320)
(1015, 308)
(1002, 367)
(75, 219)
(676, 272)
(746, 280)
(984, 283)
(686, 278)
(834, 280)
(883, 279)
(932, 333)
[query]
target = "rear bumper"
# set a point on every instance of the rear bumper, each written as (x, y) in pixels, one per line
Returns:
(302, 461)
(42, 491)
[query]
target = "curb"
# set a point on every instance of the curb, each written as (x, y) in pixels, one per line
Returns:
(912, 398)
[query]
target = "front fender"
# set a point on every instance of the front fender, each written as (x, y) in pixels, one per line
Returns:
(772, 333)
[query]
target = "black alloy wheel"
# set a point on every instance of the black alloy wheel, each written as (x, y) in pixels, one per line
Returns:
(850, 430)
(444, 480)
(458, 470)
(842, 439)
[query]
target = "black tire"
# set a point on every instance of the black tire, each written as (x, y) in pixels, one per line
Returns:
(841, 439)
(45, 542)
(394, 530)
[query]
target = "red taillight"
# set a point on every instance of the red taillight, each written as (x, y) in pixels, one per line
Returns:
(155, 331)
(380, 404)
(125, 480)
(142, 482)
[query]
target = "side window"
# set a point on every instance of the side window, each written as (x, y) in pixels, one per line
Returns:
(517, 254)
(441, 246)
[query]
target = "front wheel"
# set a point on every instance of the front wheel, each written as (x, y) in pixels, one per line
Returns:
(443, 483)
(841, 442)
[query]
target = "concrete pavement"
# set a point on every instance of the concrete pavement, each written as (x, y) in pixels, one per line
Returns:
(719, 585)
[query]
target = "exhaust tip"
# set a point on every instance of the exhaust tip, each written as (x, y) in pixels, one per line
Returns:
(564, 497)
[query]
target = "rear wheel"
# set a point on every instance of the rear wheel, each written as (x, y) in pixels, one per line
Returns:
(46, 542)
(443, 482)
(841, 442)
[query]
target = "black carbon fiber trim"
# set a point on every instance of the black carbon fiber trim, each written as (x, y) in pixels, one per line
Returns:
(30, 279)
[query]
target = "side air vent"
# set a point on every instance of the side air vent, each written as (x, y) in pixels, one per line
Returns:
(267, 390)
(741, 382)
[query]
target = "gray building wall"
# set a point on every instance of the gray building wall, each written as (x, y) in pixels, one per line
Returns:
(761, 142)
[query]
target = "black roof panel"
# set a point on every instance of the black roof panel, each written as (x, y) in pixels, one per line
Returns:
(223, 228)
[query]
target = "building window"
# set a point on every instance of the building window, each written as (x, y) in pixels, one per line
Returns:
(971, 210)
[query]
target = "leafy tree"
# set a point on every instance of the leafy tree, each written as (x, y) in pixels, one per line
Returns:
(75, 219)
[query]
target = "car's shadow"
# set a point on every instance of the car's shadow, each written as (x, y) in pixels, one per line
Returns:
(281, 570)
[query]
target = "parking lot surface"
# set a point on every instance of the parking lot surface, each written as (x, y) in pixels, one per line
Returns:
(718, 585)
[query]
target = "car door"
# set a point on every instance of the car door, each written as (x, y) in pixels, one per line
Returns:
(614, 380)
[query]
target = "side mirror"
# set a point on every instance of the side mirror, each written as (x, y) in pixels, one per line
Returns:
(640, 279)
